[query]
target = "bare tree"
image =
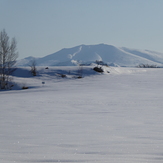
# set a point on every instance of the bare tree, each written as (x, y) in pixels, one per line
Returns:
(8, 56)
(33, 67)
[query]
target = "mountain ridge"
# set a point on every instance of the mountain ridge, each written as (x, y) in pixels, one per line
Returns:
(88, 54)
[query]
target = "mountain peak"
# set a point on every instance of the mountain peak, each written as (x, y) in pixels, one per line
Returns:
(90, 53)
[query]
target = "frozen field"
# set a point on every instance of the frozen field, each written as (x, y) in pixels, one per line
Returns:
(112, 118)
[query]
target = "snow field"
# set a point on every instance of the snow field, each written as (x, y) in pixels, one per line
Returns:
(114, 118)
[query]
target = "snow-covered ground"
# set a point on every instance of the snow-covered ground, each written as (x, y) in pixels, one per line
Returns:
(116, 117)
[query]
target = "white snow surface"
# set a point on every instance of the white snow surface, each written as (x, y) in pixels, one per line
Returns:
(114, 117)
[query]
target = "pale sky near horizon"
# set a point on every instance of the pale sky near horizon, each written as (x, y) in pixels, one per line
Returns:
(42, 27)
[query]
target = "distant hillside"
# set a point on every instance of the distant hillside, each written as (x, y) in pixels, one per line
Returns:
(87, 54)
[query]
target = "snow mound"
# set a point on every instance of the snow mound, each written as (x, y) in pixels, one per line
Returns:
(23, 77)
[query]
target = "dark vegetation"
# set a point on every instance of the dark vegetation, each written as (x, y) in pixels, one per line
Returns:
(8, 56)
(147, 66)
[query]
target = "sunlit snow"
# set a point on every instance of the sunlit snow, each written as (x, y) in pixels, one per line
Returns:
(114, 117)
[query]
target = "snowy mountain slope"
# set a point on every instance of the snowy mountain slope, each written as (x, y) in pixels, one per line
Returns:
(102, 52)
(25, 61)
(150, 55)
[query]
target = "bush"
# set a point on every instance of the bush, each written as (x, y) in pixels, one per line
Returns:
(98, 69)
(62, 75)
(147, 66)
(24, 87)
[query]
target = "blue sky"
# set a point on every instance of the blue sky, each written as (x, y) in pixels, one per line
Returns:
(42, 27)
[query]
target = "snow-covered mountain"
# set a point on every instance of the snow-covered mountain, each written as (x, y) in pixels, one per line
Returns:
(87, 54)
